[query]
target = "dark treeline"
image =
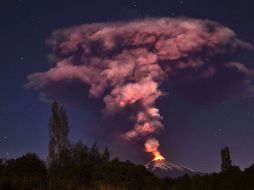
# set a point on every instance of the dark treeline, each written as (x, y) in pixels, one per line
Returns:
(75, 166)
(80, 168)
(81, 171)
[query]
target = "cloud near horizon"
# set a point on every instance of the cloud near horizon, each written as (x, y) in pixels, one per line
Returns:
(126, 63)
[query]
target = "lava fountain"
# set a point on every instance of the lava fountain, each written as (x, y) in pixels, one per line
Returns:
(151, 146)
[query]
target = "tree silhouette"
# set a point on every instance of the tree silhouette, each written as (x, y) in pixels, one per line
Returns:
(106, 155)
(58, 147)
(225, 157)
(25, 173)
(58, 133)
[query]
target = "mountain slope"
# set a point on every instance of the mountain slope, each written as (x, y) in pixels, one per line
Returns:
(163, 168)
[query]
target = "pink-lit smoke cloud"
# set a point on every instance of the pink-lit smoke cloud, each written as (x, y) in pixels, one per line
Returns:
(125, 63)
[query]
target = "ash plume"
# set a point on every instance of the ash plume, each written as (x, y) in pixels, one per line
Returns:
(125, 64)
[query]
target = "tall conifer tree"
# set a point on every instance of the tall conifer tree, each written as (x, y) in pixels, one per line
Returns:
(58, 132)
(225, 157)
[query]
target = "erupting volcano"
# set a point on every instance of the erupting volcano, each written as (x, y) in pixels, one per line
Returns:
(160, 166)
(163, 168)
(126, 63)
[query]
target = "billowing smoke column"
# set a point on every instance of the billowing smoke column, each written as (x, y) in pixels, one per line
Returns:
(126, 62)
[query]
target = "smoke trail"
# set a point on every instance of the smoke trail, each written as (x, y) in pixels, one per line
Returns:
(126, 62)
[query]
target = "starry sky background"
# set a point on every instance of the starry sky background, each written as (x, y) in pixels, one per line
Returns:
(194, 134)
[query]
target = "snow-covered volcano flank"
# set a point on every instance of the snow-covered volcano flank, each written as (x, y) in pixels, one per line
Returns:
(163, 168)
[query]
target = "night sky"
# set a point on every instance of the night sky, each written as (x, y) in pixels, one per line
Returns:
(194, 133)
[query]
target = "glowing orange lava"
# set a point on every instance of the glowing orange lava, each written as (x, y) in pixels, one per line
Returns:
(158, 156)
(152, 145)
